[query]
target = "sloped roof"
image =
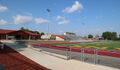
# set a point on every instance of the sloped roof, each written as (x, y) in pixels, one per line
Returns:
(30, 33)
(5, 31)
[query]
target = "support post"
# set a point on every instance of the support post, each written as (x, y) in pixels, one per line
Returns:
(29, 37)
(95, 56)
(82, 54)
(70, 52)
(67, 54)
(6, 37)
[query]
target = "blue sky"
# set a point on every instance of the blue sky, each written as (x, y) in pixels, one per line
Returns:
(80, 16)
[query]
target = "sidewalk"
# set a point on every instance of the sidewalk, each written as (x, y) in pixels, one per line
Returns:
(12, 60)
(55, 63)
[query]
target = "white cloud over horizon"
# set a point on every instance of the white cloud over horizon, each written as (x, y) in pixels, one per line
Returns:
(64, 22)
(75, 7)
(58, 17)
(3, 8)
(3, 22)
(41, 20)
(19, 19)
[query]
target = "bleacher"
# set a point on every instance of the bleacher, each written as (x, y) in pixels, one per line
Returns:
(72, 37)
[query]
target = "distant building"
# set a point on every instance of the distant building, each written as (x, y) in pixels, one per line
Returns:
(17, 35)
(69, 33)
(97, 37)
(52, 37)
(45, 37)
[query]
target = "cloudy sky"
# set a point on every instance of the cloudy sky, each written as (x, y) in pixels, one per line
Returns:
(80, 16)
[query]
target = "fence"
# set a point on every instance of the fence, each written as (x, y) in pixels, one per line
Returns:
(96, 56)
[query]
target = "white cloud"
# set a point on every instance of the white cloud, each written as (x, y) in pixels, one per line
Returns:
(3, 8)
(58, 17)
(64, 22)
(19, 19)
(41, 20)
(3, 22)
(75, 7)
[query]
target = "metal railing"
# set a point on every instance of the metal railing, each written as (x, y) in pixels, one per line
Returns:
(96, 56)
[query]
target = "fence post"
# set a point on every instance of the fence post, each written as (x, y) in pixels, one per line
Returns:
(95, 56)
(82, 54)
(67, 54)
(70, 52)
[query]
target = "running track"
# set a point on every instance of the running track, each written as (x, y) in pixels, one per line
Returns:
(111, 53)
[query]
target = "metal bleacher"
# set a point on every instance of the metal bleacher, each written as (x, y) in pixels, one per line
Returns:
(71, 37)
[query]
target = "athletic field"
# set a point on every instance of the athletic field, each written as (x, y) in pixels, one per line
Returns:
(107, 45)
(105, 48)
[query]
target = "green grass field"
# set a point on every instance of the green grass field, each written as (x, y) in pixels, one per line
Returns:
(107, 45)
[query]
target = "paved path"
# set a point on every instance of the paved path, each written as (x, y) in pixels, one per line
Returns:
(55, 63)
(102, 60)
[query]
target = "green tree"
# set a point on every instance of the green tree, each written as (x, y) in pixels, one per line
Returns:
(90, 36)
(42, 33)
(114, 36)
(23, 29)
(109, 35)
(36, 32)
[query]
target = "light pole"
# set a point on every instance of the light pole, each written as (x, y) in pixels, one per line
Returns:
(48, 10)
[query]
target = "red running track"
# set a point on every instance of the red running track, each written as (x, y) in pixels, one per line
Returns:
(111, 53)
(12, 60)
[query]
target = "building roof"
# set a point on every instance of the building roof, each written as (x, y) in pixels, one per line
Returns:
(5, 31)
(30, 33)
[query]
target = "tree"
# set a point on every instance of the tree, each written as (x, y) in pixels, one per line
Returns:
(42, 33)
(114, 36)
(109, 35)
(90, 36)
(23, 29)
(37, 32)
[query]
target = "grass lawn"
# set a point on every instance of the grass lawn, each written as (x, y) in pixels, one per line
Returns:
(107, 45)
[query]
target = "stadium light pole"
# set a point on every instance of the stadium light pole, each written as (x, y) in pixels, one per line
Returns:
(48, 10)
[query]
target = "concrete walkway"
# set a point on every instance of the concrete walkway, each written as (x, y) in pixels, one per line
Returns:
(55, 63)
